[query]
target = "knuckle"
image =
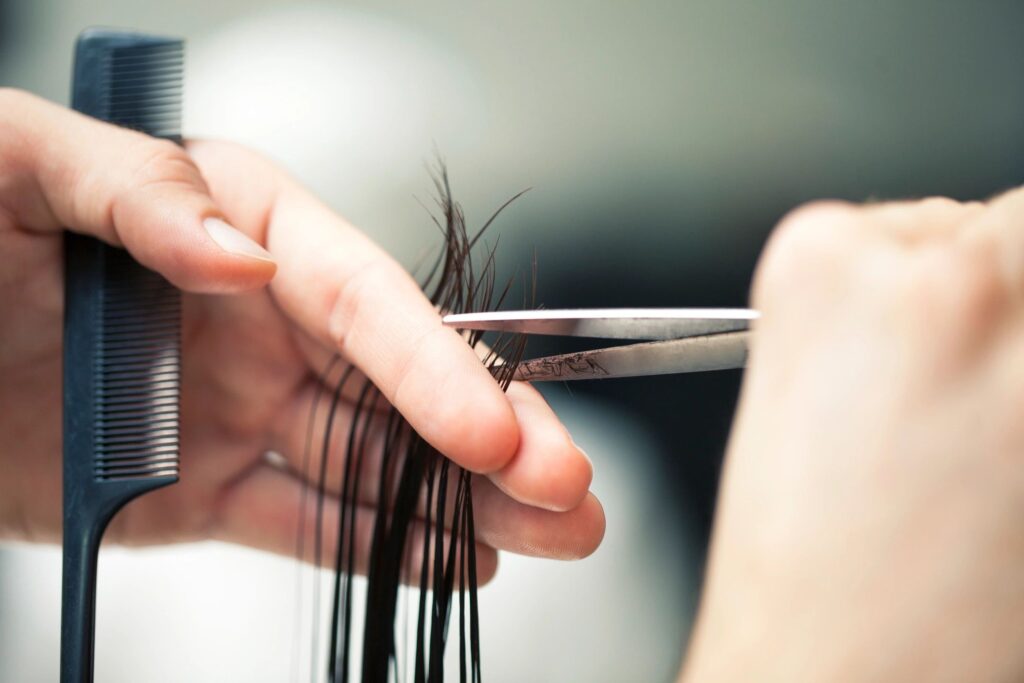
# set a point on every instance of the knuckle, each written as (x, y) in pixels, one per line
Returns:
(162, 161)
(803, 247)
(938, 203)
(347, 302)
(932, 216)
(421, 347)
(152, 165)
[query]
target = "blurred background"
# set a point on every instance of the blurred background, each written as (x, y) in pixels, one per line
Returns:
(662, 141)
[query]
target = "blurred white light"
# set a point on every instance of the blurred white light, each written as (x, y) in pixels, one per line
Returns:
(344, 98)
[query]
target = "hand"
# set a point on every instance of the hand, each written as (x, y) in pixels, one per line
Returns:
(871, 519)
(252, 352)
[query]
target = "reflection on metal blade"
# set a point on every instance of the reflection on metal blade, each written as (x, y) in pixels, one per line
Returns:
(695, 354)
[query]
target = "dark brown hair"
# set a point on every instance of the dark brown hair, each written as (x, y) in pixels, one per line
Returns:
(414, 478)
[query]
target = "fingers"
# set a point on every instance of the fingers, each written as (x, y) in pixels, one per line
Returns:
(509, 525)
(813, 246)
(263, 510)
(304, 449)
(929, 278)
(916, 222)
(548, 470)
(508, 518)
(59, 169)
(343, 290)
(816, 241)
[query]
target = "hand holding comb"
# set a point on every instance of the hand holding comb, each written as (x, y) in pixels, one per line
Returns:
(122, 352)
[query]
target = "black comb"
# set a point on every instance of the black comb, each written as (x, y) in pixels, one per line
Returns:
(122, 348)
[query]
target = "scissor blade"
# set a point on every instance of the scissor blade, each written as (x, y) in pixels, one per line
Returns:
(694, 354)
(610, 323)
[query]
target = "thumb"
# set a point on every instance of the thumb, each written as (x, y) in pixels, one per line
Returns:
(126, 189)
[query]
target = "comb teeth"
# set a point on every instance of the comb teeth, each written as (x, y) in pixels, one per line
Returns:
(143, 87)
(138, 374)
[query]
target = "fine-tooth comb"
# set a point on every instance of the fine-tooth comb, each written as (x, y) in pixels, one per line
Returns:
(122, 349)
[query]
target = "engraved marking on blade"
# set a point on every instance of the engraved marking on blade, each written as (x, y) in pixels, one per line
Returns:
(569, 364)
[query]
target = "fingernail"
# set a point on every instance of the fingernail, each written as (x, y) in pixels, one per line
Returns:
(233, 241)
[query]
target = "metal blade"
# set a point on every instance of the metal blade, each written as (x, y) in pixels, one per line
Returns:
(694, 354)
(610, 323)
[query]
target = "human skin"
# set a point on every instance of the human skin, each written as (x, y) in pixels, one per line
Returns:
(870, 525)
(262, 316)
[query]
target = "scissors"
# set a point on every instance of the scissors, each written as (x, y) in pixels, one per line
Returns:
(676, 339)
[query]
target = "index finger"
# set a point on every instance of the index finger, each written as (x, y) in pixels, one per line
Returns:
(344, 290)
